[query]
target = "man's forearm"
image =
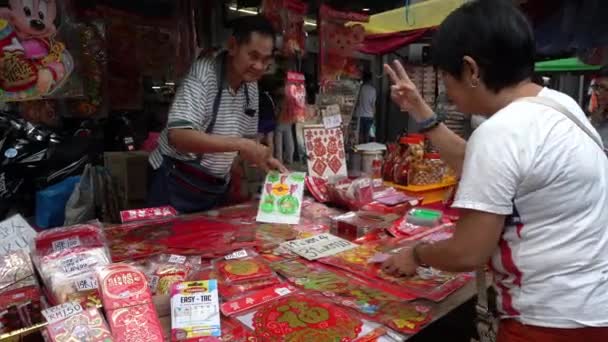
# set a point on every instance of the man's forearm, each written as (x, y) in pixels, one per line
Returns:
(191, 141)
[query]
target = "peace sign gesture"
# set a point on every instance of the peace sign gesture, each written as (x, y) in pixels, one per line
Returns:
(404, 92)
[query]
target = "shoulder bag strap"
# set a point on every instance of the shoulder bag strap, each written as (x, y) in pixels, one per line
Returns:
(545, 101)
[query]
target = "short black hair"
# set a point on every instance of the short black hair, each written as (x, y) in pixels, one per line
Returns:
(243, 28)
(492, 32)
(366, 76)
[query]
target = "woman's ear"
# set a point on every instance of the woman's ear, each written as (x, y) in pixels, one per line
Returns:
(470, 71)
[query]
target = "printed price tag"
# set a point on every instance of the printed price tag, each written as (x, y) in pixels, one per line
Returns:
(236, 255)
(283, 291)
(256, 299)
(319, 246)
(177, 259)
(332, 117)
(64, 244)
(74, 264)
(86, 284)
(61, 312)
(153, 283)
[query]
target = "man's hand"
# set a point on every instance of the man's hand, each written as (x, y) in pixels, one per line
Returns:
(274, 165)
(402, 263)
(405, 94)
(253, 152)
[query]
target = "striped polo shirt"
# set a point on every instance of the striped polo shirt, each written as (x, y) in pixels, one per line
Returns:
(193, 108)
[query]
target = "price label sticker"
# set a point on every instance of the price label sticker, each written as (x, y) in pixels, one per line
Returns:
(64, 244)
(153, 283)
(86, 284)
(61, 312)
(177, 259)
(236, 255)
(282, 291)
(319, 246)
(332, 117)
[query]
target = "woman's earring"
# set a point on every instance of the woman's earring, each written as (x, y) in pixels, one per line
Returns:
(474, 84)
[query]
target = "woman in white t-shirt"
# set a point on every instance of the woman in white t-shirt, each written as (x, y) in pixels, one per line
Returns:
(534, 185)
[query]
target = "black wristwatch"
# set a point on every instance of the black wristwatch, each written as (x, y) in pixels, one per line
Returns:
(429, 123)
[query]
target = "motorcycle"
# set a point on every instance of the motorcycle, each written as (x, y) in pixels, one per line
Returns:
(33, 158)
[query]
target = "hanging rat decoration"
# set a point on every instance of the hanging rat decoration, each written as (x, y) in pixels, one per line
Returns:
(32, 63)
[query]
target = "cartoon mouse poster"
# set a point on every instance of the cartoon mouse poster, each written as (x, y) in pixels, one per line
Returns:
(33, 64)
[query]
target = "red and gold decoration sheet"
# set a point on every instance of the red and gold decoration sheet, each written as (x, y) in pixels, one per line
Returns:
(365, 296)
(338, 43)
(287, 17)
(182, 235)
(326, 157)
(429, 283)
(304, 318)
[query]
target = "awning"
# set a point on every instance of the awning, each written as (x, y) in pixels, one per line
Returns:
(379, 44)
(426, 14)
(565, 65)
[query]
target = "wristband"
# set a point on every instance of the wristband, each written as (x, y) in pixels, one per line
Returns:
(429, 123)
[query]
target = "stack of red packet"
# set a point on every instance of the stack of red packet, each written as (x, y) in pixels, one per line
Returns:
(128, 303)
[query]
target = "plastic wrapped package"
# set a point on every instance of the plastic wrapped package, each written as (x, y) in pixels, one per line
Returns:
(430, 170)
(167, 269)
(231, 291)
(360, 294)
(195, 310)
(128, 304)
(411, 150)
(354, 225)
(69, 275)
(88, 325)
(20, 295)
(388, 166)
(242, 266)
(303, 317)
(88, 235)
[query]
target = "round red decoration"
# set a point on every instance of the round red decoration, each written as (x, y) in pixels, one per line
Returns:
(299, 318)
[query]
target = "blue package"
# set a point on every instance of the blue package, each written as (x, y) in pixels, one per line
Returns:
(50, 202)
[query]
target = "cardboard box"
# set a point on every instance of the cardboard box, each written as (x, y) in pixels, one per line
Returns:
(130, 169)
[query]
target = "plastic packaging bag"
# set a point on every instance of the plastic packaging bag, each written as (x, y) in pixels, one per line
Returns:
(242, 266)
(51, 203)
(20, 295)
(168, 269)
(81, 204)
(88, 325)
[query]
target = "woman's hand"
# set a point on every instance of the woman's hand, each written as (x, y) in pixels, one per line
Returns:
(405, 94)
(401, 264)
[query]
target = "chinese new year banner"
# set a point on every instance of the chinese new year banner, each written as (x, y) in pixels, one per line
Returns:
(338, 43)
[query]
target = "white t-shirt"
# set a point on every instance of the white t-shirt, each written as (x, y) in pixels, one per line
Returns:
(534, 165)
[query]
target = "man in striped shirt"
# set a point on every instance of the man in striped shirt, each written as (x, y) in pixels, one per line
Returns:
(213, 119)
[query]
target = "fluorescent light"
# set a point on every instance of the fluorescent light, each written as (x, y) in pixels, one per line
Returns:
(365, 9)
(246, 11)
(242, 10)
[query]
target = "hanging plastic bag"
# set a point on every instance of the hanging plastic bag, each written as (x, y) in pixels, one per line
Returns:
(51, 202)
(81, 204)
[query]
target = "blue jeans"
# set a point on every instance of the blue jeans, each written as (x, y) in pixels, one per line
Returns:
(365, 124)
(184, 192)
